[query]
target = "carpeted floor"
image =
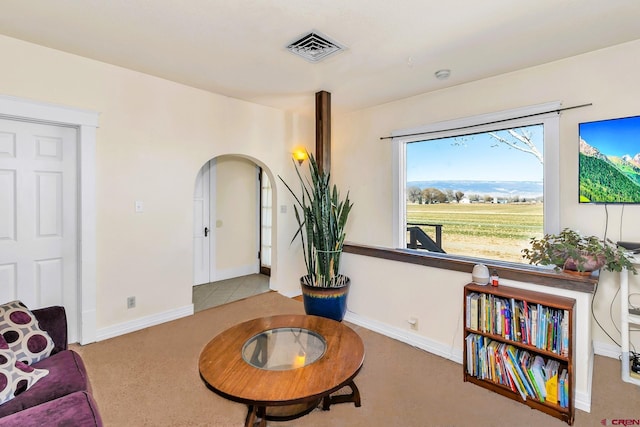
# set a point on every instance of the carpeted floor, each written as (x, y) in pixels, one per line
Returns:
(150, 378)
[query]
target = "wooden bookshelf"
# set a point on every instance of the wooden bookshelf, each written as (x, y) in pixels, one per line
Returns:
(492, 333)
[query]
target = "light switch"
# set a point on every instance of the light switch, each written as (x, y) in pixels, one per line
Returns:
(139, 206)
(283, 209)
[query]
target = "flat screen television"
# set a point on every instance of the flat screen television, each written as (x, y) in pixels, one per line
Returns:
(609, 165)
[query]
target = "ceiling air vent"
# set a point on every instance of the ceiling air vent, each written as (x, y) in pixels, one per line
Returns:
(314, 47)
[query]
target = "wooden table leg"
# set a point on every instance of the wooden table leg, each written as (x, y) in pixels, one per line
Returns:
(253, 413)
(354, 397)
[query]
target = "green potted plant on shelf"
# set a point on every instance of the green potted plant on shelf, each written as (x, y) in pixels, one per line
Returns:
(573, 253)
(322, 217)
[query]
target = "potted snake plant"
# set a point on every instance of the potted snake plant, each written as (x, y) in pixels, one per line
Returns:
(322, 217)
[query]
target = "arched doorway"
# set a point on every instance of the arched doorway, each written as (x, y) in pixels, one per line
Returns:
(232, 223)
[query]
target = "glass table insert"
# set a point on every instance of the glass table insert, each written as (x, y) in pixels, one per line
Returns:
(282, 349)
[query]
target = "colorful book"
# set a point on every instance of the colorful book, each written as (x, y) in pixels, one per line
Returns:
(527, 323)
(560, 390)
(534, 325)
(526, 361)
(566, 391)
(467, 300)
(473, 324)
(492, 315)
(564, 348)
(515, 320)
(537, 371)
(542, 329)
(523, 328)
(470, 358)
(507, 322)
(482, 308)
(494, 371)
(499, 316)
(513, 375)
(521, 377)
(506, 378)
(551, 375)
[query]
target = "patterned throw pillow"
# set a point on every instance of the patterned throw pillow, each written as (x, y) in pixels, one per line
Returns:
(20, 329)
(15, 376)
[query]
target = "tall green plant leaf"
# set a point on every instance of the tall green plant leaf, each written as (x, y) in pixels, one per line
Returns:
(322, 218)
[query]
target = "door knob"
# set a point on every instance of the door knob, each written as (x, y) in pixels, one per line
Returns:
(206, 231)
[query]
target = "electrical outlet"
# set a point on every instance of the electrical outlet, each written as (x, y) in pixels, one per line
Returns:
(413, 323)
(131, 302)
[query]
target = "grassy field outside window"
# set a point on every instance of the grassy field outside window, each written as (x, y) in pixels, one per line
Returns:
(482, 230)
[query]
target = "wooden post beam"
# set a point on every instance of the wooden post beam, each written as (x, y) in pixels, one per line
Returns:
(323, 130)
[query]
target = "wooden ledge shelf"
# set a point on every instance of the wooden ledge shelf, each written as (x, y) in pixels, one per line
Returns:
(506, 270)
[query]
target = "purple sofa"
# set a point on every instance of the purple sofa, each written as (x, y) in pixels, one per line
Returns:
(63, 397)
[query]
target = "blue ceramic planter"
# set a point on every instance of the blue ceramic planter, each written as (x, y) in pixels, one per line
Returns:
(326, 302)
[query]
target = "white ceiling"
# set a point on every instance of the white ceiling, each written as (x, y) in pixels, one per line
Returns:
(237, 47)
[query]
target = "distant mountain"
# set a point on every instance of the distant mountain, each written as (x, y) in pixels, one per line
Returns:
(635, 160)
(627, 165)
(608, 179)
(528, 189)
(590, 151)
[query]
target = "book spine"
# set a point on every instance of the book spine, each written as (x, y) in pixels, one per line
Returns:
(565, 334)
(534, 325)
(467, 321)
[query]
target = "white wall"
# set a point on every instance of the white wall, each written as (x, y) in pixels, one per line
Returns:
(153, 137)
(362, 163)
(236, 226)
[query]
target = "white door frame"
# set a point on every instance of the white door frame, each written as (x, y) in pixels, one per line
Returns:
(86, 123)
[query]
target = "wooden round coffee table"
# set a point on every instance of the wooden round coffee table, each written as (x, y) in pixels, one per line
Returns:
(283, 366)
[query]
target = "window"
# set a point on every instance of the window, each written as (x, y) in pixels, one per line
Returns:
(266, 228)
(478, 187)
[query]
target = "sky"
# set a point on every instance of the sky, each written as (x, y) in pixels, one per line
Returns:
(476, 157)
(614, 137)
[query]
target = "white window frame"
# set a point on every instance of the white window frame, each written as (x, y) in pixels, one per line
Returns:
(546, 113)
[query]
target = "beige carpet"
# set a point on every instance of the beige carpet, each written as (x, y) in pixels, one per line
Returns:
(150, 378)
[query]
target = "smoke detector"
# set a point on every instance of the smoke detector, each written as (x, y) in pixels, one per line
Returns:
(442, 74)
(314, 47)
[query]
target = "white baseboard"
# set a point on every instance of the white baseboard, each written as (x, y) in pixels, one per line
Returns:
(582, 400)
(406, 337)
(231, 273)
(143, 322)
(291, 294)
(607, 350)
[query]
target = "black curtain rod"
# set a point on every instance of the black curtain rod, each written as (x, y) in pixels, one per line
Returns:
(488, 123)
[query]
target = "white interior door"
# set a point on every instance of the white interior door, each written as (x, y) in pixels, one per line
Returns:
(38, 216)
(201, 227)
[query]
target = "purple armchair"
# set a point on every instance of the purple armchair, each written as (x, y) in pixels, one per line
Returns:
(63, 397)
